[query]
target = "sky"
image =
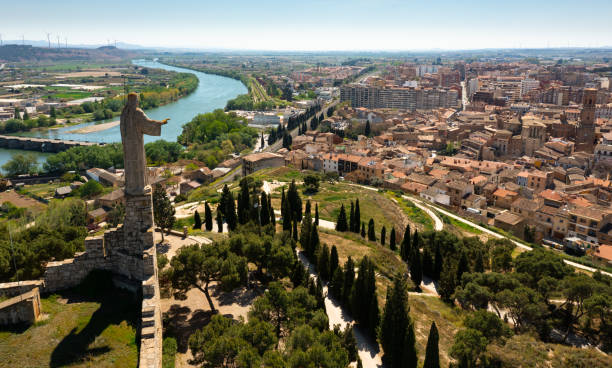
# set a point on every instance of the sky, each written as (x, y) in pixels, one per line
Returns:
(314, 24)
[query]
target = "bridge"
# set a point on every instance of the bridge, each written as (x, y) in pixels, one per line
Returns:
(41, 144)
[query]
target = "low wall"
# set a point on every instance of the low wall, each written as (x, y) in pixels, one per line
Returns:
(151, 319)
(40, 144)
(23, 305)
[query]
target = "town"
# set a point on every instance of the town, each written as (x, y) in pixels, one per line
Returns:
(176, 206)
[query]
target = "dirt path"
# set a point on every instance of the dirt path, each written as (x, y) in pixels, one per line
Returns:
(369, 353)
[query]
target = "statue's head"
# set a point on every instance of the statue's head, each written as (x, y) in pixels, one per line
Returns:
(132, 99)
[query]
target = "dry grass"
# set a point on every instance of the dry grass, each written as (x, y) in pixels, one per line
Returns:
(21, 201)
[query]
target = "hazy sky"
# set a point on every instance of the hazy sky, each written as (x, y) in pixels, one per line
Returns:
(314, 24)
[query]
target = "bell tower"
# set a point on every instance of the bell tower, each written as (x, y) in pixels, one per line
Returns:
(585, 132)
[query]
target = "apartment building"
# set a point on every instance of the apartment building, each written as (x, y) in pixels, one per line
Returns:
(374, 97)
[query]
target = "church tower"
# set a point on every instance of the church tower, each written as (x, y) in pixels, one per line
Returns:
(585, 132)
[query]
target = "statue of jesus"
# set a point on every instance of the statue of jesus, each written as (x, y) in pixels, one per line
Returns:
(135, 123)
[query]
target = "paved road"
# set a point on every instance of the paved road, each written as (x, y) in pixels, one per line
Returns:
(518, 244)
(279, 143)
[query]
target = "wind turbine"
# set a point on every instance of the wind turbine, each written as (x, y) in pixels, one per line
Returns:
(58, 42)
(115, 43)
(49, 39)
(0, 39)
(66, 40)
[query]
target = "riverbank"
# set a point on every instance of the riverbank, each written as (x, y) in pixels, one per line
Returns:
(95, 128)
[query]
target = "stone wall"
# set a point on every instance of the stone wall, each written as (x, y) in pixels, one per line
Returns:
(128, 251)
(23, 304)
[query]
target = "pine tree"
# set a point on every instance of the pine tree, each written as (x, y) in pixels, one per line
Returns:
(405, 247)
(363, 232)
(307, 209)
(163, 210)
(341, 221)
(334, 262)
(317, 214)
(323, 263)
(447, 283)
(432, 355)
(295, 202)
(383, 235)
(219, 220)
(348, 280)
(357, 216)
(392, 245)
(336, 283)
(197, 221)
(264, 215)
(416, 268)
(368, 129)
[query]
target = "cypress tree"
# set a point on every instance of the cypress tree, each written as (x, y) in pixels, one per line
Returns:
(314, 240)
(307, 209)
(373, 313)
(287, 219)
(405, 246)
(305, 237)
(383, 235)
(348, 280)
(352, 218)
(295, 202)
(432, 355)
(244, 202)
(336, 283)
(410, 350)
(333, 260)
(368, 129)
(341, 221)
(371, 230)
(323, 262)
(395, 326)
(392, 245)
(462, 267)
(363, 232)
(294, 232)
(357, 216)
(208, 221)
(197, 221)
(438, 262)
(427, 263)
(264, 215)
(416, 268)
(447, 283)
(219, 221)
(479, 263)
(317, 214)
(283, 207)
(271, 212)
(229, 208)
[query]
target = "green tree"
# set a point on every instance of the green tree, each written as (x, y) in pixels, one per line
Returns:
(197, 266)
(208, 221)
(394, 333)
(351, 223)
(197, 221)
(432, 354)
(488, 324)
(341, 224)
(228, 208)
(116, 215)
(468, 346)
(383, 235)
(334, 262)
(368, 129)
(316, 214)
(392, 245)
(323, 263)
(357, 216)
(348, 280)
(244, 201)
(21, 164)
(90, 189)
(363, 231)
(405, 247)
(416, 268)
(219, 220)
(371, 230)
(264, 214)
(163, 210)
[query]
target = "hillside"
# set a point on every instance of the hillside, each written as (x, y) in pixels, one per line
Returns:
(21, 53)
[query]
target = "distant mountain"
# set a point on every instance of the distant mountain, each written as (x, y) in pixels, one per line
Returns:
(44, 43)
(18, 52)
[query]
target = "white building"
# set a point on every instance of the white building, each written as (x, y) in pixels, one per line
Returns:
(330, 163)
(529, 84)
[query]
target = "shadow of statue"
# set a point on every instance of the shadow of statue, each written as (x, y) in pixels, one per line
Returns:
(116, 306)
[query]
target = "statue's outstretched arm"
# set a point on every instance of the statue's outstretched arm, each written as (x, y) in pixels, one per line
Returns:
(150, 126)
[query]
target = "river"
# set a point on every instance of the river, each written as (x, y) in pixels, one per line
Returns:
(212, 93)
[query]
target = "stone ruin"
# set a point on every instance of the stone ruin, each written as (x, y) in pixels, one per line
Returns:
(127, 251)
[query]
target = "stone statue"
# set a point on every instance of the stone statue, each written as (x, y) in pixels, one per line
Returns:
(135, 123)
